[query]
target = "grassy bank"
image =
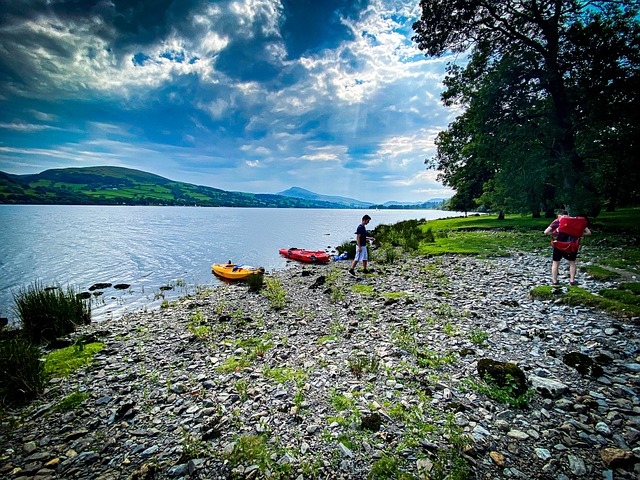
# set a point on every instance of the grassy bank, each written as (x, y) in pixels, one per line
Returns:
(611, 253)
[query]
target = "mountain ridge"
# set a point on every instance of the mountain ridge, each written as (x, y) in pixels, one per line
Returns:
(109, 185)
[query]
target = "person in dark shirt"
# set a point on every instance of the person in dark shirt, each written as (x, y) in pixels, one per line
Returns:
(361, 246)
(558, 254)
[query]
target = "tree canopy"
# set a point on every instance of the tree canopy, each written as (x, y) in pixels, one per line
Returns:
(551, 102)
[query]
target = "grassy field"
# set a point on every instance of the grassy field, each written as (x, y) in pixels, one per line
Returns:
(614, 243)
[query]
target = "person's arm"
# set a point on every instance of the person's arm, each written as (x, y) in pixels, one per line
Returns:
(548, 231)
(587, 231)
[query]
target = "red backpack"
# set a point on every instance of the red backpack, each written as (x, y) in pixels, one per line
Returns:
(574, 228)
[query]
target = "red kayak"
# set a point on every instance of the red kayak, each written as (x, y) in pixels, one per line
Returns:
(319, 256)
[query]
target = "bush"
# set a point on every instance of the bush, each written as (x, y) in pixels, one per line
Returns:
(407, 234)
(21, 370)
(47, 313)
(349, 247)
(255, 282)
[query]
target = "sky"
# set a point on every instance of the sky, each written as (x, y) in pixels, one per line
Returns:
(242, 95)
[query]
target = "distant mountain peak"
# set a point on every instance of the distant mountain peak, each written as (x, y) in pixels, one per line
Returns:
(298, 192)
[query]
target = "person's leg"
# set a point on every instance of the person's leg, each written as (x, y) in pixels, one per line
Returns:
(554, 271)
(572, 271)
(364, 265)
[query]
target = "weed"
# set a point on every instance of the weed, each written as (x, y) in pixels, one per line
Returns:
(580, 296)
(362, 363)
(72, 401)
(192, 447)
(478, 336)
(250, 450)
(340, 402)
(234, 364)
(387, 468)
(335, 289)
(388, 255)
(503, 394)
(275, 293)
(242, 387)
(450, 329)
(429, 358)
(47, 313)
(255, 282)
(363, 289)
(21, 370)
(284, 374)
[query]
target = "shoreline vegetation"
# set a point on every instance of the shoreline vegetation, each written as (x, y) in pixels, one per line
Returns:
(454, 358)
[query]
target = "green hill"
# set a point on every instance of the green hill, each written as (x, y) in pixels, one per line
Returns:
(125, 186)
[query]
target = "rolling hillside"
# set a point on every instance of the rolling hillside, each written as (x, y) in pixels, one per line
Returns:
(124, 186)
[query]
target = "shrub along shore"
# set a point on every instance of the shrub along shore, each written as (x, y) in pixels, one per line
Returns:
(453, 358)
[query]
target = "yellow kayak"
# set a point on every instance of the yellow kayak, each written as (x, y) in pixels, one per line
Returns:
(235, 272)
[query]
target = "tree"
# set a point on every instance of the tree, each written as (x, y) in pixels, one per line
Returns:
(520, 89)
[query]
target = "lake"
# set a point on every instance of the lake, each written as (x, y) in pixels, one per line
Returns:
(155, 248)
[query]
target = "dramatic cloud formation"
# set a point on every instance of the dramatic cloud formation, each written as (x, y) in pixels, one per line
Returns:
(244, 95)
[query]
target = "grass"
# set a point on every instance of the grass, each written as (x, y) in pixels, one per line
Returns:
(46, 313)
(275, 293)
(505, 394)
(21, 370)
(72, 401)
(609, 300)
(61, 363)
(600, 273)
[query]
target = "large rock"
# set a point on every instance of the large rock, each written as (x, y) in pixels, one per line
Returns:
(503, 374)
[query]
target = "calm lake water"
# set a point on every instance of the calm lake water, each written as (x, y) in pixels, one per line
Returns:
(154, 247)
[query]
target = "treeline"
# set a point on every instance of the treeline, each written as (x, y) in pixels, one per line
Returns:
(550, 101)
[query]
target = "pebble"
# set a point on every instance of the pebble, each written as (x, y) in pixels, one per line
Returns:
(159, 391)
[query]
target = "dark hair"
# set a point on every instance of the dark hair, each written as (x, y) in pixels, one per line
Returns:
(366, 217)
(563, 212)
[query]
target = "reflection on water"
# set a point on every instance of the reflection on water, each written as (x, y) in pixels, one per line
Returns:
(162, 252)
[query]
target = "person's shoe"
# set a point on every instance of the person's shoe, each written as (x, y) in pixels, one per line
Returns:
(366, 271)
(572, 283)
(352, 272)
(554, 283)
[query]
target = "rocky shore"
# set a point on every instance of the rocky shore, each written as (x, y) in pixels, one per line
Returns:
(351, 379)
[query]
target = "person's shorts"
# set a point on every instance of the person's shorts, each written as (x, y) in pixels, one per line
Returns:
(559, 255)
(362, 255)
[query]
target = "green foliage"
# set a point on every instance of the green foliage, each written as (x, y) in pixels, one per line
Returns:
(625, 297)
(334, 285)
(255, 282)
(388, 254)
(507, 393)
(349, 247)
(340, 402)
(72, 401)
(47, 313)
(406, 234)
(387, 468)
(285, 374)
(61, 363)
(275, 293)
(359, 363)
(123, 186)
(599, 273)
(521, 141)
(478, 336)
(250, 450)
(21, 371)
(610, 301)
(363, 289)
(192, 447)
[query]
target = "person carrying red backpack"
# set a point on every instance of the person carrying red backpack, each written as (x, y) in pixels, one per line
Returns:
(567, 232)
